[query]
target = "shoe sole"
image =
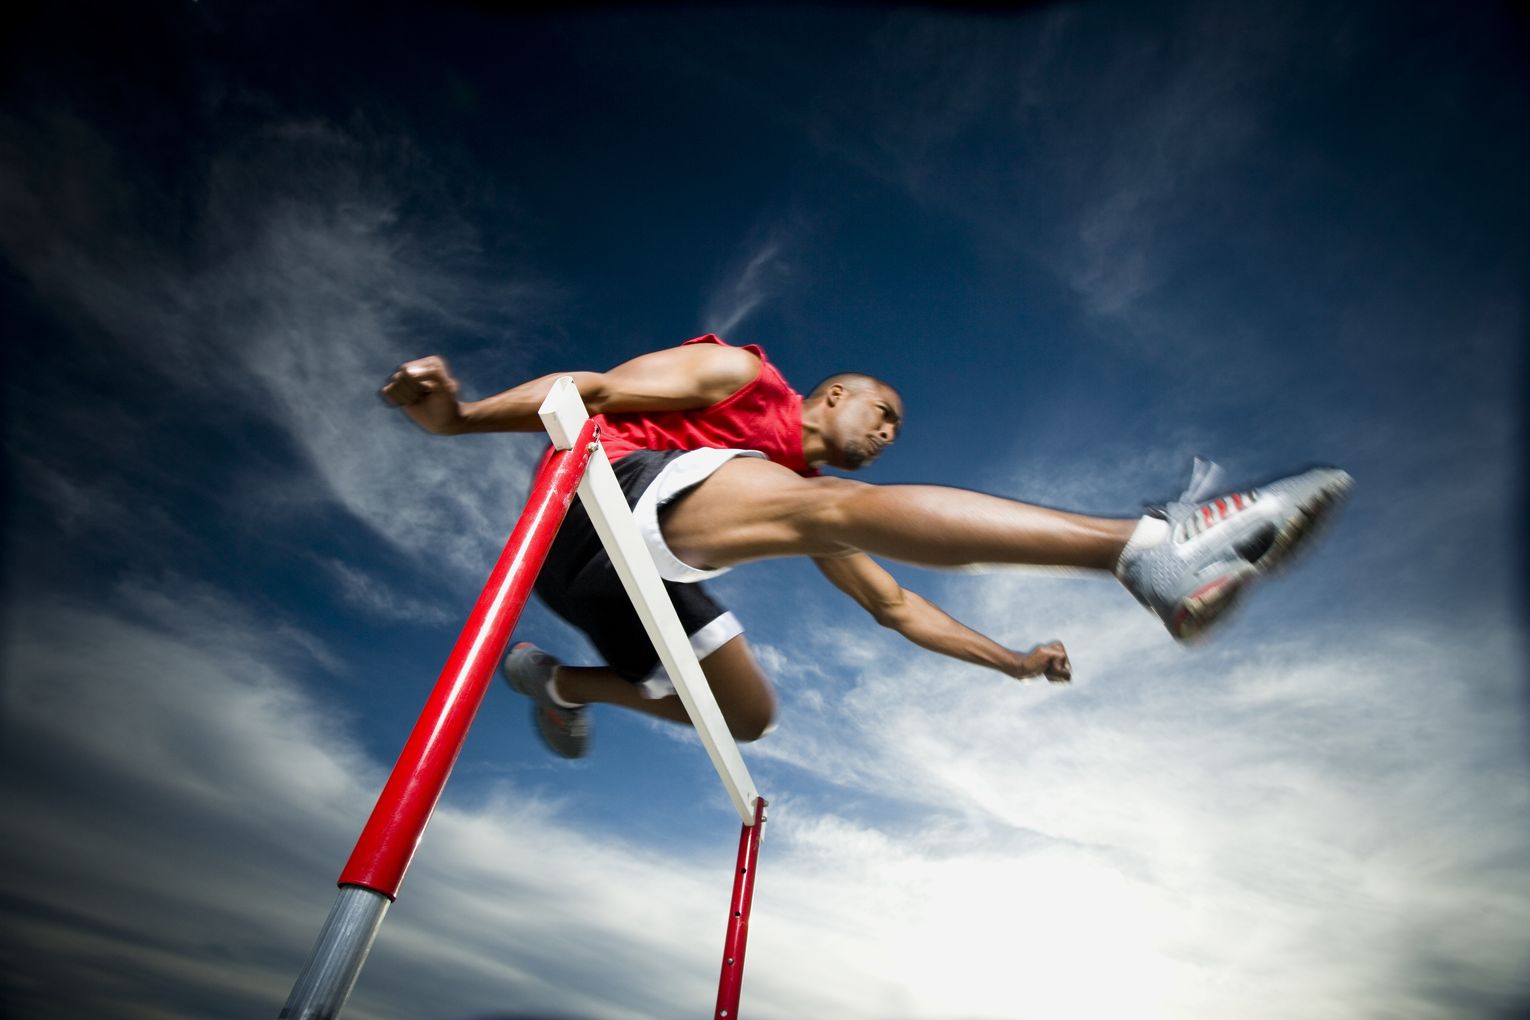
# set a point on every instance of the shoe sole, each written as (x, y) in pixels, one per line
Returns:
(544, 717)
(558, 740)
(1206, 605)
(1313, 513)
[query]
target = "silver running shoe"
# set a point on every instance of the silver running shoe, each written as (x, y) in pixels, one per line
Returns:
(565, 730)
(1217, 546)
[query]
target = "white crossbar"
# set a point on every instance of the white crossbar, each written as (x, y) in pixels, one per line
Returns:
(563, 414)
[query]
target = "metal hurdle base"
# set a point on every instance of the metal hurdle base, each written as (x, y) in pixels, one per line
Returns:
(341, 949)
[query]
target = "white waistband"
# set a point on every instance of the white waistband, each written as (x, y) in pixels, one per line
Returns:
(680, 474)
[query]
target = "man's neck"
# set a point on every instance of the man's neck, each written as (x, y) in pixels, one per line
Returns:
(814, 450)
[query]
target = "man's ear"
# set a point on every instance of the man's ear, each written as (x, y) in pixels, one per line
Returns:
(834, 393)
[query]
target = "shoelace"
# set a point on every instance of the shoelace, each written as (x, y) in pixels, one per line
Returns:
(1214, 512)
(1204, 477)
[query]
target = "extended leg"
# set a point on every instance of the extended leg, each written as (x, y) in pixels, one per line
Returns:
(1189, 564)
(752, 509)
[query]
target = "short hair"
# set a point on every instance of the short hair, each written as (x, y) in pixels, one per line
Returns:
(850, 380)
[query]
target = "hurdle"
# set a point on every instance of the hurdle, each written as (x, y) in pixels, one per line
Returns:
(370, 880)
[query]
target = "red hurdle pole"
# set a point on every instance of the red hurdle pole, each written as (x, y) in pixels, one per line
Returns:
(372, 876)
(731, 984)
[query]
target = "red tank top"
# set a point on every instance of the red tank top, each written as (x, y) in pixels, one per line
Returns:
(765, 415)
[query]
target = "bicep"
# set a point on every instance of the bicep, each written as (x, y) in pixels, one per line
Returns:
(676, 379)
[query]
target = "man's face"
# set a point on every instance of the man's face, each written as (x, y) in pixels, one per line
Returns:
(863, 420)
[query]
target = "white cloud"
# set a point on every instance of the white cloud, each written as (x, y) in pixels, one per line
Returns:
(181, 807)
(755, 278)
(302, 288)
(1326, 827)
(1286, 828)
(1251, 828)
(376, 598)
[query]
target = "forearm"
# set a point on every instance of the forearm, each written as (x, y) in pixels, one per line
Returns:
(928, 626)
(676, 379)
(515, 410)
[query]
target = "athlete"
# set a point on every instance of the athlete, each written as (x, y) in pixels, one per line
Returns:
(720, 459)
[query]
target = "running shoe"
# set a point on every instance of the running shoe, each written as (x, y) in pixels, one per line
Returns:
(565, 730)
(1215, 547)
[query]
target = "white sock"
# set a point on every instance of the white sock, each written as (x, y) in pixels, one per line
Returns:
(1150, 531)
(552, 692)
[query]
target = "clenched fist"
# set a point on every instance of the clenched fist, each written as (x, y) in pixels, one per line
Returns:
(427, 392)
(1049, 660)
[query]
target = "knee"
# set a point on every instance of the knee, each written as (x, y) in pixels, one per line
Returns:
(750, 723)
(743, 691)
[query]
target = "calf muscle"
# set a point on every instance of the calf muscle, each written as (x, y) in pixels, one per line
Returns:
(936, 526)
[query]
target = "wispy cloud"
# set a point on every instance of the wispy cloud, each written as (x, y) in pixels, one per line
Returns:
(1140, 184)
(375, 597)
(301, 287)
(759, 273)
(188, 722)
(1070, 137)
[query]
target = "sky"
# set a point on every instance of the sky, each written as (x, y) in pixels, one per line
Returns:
(1088, 242)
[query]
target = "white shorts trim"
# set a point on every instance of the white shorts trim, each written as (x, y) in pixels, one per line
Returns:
(683, 472)
(704, 642)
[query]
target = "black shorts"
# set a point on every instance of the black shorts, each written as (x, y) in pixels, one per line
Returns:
(580, 584)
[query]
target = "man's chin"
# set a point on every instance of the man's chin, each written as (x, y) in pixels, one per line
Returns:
(854, 457)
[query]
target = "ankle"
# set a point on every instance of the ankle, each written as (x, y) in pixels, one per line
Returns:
(555, 690)
(1148, 532)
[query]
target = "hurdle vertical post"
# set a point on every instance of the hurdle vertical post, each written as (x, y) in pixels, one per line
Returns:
(731, 983)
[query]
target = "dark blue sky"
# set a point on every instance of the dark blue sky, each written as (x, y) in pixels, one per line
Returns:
(1087, 242)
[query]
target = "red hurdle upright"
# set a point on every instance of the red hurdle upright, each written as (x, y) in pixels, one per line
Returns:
(731, 983)
(371, 878)
(376, 867)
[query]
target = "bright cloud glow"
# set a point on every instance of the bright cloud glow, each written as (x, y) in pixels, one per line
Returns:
(1236, 838)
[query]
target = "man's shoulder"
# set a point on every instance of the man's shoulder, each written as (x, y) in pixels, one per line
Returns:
(724, 365)
(754, 351)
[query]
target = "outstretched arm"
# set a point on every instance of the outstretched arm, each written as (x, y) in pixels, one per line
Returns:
(927, 625)
(675, 379)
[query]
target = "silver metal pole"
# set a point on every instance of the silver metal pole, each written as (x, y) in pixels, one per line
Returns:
(335, 963)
